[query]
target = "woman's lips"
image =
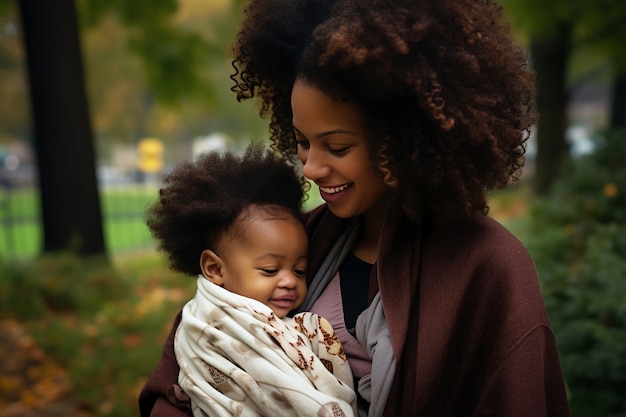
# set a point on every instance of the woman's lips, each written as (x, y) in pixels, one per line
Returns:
(333, 194)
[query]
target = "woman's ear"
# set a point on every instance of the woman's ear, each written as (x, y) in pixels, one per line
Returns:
(211, 266)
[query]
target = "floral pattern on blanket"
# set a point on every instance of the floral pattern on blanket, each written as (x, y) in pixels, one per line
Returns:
(238, 359)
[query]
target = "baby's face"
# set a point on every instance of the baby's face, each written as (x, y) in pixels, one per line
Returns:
(267, 264)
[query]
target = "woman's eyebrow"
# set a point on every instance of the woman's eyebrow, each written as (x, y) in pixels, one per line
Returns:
(328, 133)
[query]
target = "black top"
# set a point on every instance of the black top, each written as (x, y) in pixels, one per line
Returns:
(354, 276)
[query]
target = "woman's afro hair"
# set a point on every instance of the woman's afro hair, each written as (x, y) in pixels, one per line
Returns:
(446, 93)
(201, 199)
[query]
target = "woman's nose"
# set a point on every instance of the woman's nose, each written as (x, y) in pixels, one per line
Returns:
(314, 166)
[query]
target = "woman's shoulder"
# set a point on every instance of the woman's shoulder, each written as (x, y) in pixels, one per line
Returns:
(479, 259)
(478, 242)
(478, 232)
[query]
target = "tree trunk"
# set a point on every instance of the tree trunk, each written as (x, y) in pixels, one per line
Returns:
(70, 203)
(549, 57)
(618, 103)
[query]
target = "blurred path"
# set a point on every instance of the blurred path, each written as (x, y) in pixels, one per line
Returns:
(31, 384)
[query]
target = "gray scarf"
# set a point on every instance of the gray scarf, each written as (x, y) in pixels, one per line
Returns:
(371, 328)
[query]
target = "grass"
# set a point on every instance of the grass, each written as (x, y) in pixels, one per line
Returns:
(18, 214)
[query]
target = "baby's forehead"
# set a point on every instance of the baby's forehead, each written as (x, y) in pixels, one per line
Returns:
(263, 212)
(260, 213)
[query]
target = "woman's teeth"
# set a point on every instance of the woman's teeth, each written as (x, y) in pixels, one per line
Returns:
(334, 190)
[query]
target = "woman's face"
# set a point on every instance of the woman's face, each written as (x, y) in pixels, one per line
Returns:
(334, 149)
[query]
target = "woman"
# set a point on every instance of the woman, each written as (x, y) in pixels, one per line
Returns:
(405, 114)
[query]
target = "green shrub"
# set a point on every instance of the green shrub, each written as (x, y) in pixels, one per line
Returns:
(577, 237)
(20, 292)
(59, 282)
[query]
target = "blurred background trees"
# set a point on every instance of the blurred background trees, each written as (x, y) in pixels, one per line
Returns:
(571, 43)
(155, 70)
(159, 69)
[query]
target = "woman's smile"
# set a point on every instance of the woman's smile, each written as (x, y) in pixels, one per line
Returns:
(333, 194)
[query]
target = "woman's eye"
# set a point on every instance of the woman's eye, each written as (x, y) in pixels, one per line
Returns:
(339, 151)
(302, 143)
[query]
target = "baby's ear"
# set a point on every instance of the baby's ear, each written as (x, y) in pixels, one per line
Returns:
(211, 266)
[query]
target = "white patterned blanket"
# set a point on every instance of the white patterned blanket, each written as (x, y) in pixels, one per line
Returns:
(238, 359)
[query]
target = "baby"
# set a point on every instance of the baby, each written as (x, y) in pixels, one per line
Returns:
(236, 223)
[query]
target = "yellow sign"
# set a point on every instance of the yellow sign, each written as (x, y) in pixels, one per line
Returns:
(150, 155)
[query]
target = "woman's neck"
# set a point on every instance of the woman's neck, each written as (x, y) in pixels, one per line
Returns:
(366, 245)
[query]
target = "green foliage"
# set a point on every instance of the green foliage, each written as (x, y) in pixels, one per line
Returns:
(597, 26)
(57, 282)
(175, 58)
(105, 325)
(20, 292)
(174, 63)
(577, 237)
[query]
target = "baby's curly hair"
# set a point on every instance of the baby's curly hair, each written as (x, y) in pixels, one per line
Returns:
(201, 199)
(447, 94)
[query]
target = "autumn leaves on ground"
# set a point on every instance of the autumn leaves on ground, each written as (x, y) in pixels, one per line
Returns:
(30, 380)
(78, 338)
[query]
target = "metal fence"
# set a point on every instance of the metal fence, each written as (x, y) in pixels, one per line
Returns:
(123, 204)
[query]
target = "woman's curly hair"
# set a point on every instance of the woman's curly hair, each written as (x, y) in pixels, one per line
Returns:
(447, 94)
(201, 199)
